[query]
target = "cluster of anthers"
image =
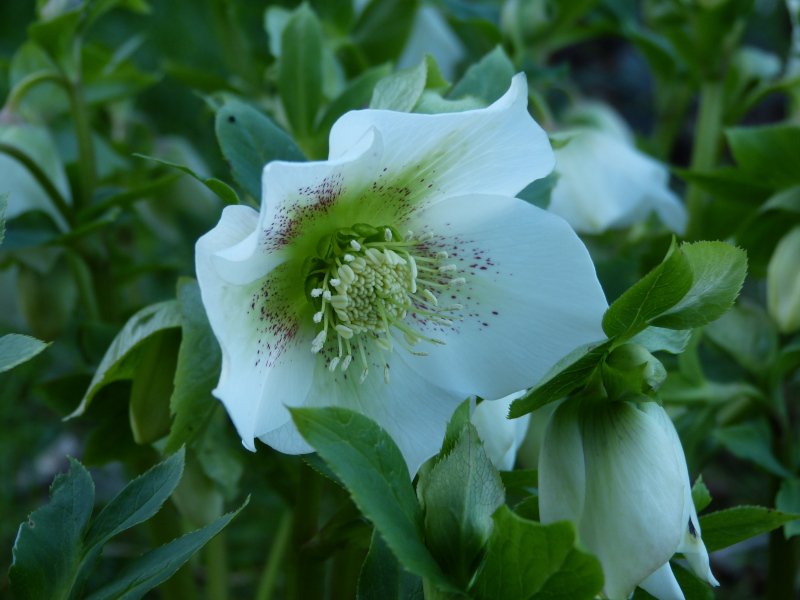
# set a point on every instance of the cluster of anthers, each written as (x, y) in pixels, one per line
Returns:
(364, 282)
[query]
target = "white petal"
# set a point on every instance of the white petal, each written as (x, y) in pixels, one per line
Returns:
(606, 184)
(633, 517)
(531, 294)
(670, 210)
(663, 585)
(562, 467)
(428, 158)
(691, 545)
(501, 436)
(264, 330)
(412, 411)
(301, 201)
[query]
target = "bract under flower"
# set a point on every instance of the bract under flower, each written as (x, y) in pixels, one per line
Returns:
(396, 278)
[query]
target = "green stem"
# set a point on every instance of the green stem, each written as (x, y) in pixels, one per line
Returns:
(29, 82)
(307, 581)
(85, 280)
(783, 562)
(83, 133)
(217, 567)
(41, 177)
(276, 555)
(705, 150)
(165, 527)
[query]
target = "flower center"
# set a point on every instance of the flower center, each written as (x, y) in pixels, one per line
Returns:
(363, 282)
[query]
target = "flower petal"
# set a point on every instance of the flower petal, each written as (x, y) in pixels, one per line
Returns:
(606, 184)
(259, 326)
(633, 517)
(562, 467)
(413, 411)
(531, 294)
(301, 201)
(429, 158)
(501, 436)
(691, 545)
(663, 585)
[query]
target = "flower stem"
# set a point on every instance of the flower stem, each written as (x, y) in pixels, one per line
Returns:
(275, 560)
(705, 150)
(83, 133)
(217, 567)
(306, 575)
(165, 527)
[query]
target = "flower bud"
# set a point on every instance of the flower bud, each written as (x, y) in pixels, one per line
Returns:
(631, 370)
(783, 283)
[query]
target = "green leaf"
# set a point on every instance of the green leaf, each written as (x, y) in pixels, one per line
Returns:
(788, 501)
(728, 527)
(748, 335)
(249, 140)
(355, 96)
(529, 560)
(382, 29)
(528, 508)
(729, 184)
(692, 586)
(701, 497)
(654, 294)
(122, 357)
(580, 577)
(47, 550)
(400, 91)
(657, 339)
(156, 566)
(520, 483)
(197, 371)
(383, 578)
(367, 461)
(752, 441)
(16, 348)
(3, 206)
(767, 153)
(220, 188)
(786, 200)
(718, 271)
(538, 192)
(569, 373)
(459, 496)
(454, 428)
(431, 102)
(152, 386)
(138, 501)
(487, 79)
(300, 70)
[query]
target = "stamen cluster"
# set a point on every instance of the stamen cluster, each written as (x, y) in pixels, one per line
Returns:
(364, 284)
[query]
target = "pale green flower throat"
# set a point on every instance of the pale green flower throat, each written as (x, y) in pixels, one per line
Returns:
(363, 282)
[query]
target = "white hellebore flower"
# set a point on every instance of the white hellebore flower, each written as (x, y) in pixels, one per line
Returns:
(606, 183)
(618, 471)
(396, 278)
(500, 435)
